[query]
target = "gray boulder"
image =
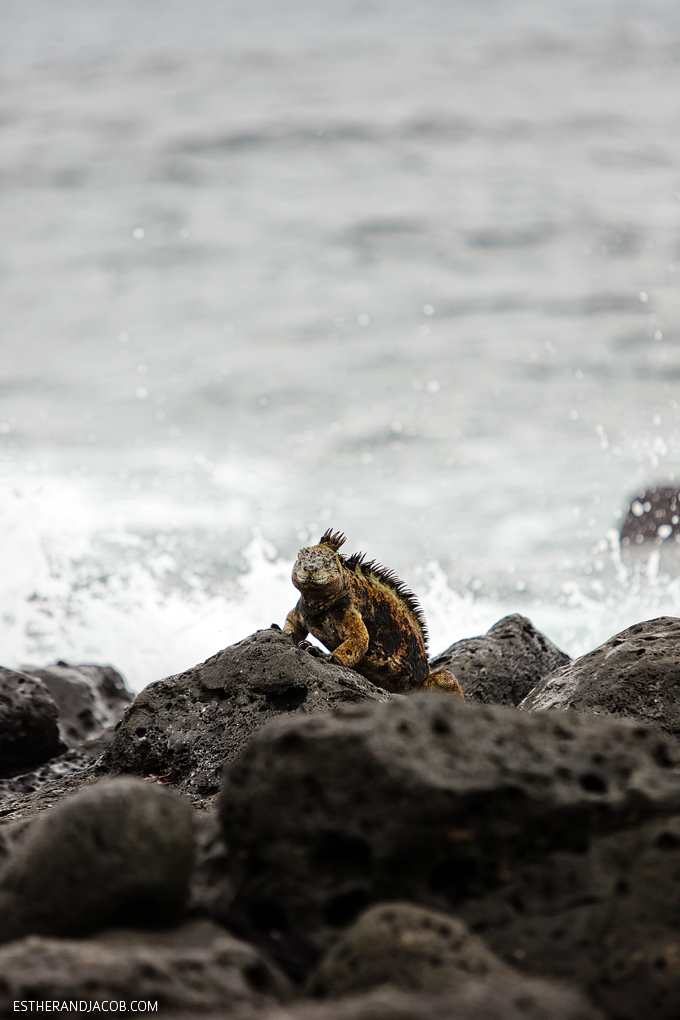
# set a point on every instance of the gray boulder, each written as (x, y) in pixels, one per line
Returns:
(495, 998)
(29, 728)
(425, 799)
(196, 967)
(89, 698)
(118, 852)
(501, 666)
(634, 675)
(404, 945)
(187, 726)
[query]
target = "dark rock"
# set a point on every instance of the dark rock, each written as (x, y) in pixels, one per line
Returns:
(195, 967)
(409, 947)
(426, 799)
(186, 727)
(607, 918)
(635, 675)
(653, 516)
(51, 787)
(496, 998)
(119, 852)
(29, 731)
(501, 666)
(89, 699)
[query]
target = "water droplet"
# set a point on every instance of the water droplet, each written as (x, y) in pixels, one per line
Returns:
(433, 386)
(138, 233)
(658, 335)
(428, 309)
(644, 296)
(363, 319)
(141, 393)
(124, 337)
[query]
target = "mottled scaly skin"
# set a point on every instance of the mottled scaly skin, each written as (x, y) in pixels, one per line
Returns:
(365, 616)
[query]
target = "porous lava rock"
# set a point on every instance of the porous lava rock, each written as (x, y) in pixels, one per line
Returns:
(606, 917)
(495, 998)
(197, 966)
(404, 945)
(634, 675)
(29, 728)
(501, 666)
(425, 799)
(118, 852)
(187, 726)
(89, 698)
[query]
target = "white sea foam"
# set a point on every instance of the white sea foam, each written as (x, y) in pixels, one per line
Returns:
(78, 584)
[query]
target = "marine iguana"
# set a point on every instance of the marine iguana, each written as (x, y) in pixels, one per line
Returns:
(365, 615)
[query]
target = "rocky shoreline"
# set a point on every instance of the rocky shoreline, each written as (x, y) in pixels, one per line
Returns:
(269, 836)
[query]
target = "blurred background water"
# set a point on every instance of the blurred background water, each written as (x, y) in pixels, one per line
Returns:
(406, 269)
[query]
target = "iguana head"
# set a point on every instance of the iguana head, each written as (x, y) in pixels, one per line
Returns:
(318, 573)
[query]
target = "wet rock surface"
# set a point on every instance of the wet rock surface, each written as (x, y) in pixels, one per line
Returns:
(633, 675)
(425, 799)
(186, 727)
(29, 728)
(503, 665)
(119, 852)
(197, 966)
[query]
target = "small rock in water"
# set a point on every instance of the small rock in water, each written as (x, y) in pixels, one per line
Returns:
(503, 665)
(653, 516)
(118, 852)
(633, 675)
(29, 727)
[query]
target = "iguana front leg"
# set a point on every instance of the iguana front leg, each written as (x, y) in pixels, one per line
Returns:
(352, 630)
(294, 626)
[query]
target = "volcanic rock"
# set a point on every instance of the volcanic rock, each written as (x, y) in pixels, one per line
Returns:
(635, 675)
(501, 666)
(184, 728)
(29, 730)
(194, 967)
(89, 698)
(496, 998)
(409, 947)
(425, 799)
(119, 852)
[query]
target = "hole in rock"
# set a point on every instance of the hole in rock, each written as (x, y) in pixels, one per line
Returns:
(258, 977)
(668, 841)
(440, 725)
(593, 783)
(140, 731)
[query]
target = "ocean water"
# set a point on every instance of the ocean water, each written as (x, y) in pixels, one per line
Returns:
(407, 270)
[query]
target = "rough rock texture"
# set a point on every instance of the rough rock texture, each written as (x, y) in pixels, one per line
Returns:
(409, 947)
(29, 730)
(653, 516)
(426, 799)
(186, 727)
(195, 967)
(119, 852)
(501, 666)
(495, 998)
(606, 917)
(89, 698)
(635, 674)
